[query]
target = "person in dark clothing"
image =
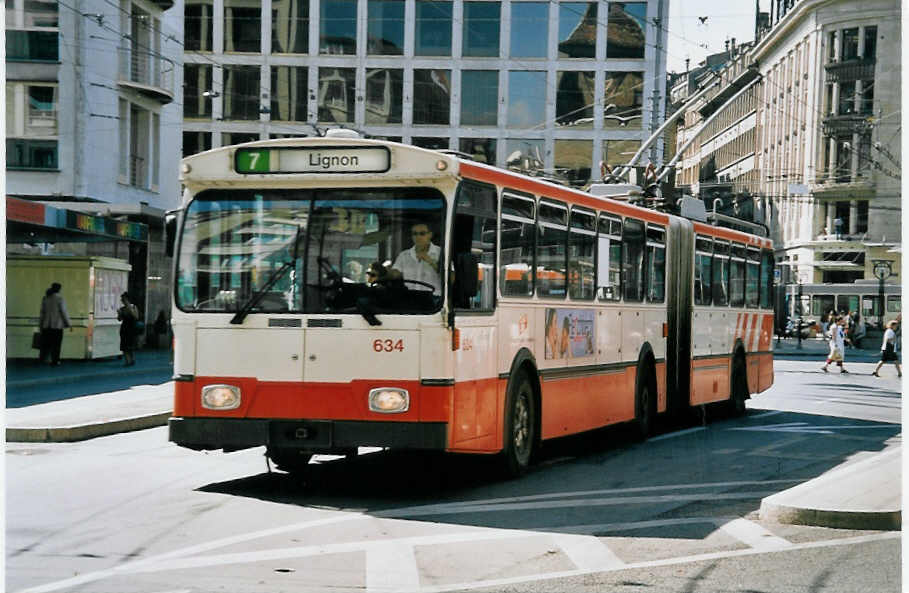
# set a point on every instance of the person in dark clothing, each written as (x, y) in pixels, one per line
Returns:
(53, 320)
(128, 315)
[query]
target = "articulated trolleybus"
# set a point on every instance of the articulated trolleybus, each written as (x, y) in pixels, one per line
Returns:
(333, 293)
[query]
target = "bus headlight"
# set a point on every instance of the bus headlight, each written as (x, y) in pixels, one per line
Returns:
(389, 400)
(220, 397)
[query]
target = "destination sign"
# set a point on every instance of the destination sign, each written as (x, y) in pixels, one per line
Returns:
(366, 159)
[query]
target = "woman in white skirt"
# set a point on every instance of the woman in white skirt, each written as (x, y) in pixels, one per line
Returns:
(837, 345)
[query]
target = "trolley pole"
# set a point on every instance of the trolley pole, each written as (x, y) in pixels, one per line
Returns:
(798, 329)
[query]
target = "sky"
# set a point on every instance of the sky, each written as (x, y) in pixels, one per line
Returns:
(690, 38)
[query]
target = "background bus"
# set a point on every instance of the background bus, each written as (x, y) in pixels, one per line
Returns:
(864, 297)
(537, 310)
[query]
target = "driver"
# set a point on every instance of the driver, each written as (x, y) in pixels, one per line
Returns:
(420, 262)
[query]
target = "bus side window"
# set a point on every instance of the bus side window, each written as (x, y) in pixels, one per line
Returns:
(552, 249)
(656, 264)
(737, 275)
(517, 230)
(753, 278)
(473, 244)
(703, 275)
(582, 241)
(720, 273)
(766, 279)
(633, 260)
(609, 258)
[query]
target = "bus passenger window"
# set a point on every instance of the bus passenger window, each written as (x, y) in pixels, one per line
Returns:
(766, 279)
(656, 264)
(581, 249)
(474, 247)
(517, 230)
(552, 250)
(752, 278)
(609, 259)
(720, 273)
(703, 274)
(737, 276)
(633, 260)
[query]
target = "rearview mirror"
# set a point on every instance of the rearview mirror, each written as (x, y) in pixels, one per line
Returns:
(170, 231)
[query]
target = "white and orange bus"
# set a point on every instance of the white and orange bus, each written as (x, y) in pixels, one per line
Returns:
(531, 310)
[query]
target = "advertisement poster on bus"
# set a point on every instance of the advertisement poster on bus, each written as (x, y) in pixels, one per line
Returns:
(569, 333)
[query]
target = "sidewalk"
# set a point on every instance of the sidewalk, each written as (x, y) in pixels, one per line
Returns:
(818, 348)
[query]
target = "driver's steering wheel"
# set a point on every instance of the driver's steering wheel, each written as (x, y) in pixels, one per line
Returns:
(386, 281)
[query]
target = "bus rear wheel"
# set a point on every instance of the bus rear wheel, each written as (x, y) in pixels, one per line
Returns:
(739, 387)
(290, 460)
(520, 426)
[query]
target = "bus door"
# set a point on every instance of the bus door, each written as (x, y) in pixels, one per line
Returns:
(680, 277)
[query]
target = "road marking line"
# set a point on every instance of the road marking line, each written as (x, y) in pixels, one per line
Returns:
(587, 552)
(392, 567)
(753, 535)
(592, 528)
(765, 414)
(498, 583)
(678, 433)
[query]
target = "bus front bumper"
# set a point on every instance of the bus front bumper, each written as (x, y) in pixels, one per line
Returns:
(232, 434)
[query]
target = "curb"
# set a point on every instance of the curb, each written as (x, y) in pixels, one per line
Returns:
(73, 378)
(864, 520)
(83, 432)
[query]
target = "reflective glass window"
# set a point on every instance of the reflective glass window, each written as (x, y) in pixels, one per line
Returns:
(524, 153)
(703, 274)
(483, 150)
(627, 30)
(430, 142)
(242, 26)
(753, 278)
(633, 260)
(197, 86)
(720, 273)
(619, 152)
(289, 93)
(517, 233)
(474, 246)
(432, 97)
(384, 95)
(582, 245)
(231, 138)
(198, 25)
(433, 28)
(552, 237)
(529, 24)
(336, 94)
(480, 31)
(195, 142)
(290, 26)
(737, 276)
(572, 160)
(241, 92)
(577, 29)
(385, 28)
(526, 101)
(338, 27)
(609, 258)
(656, 264)
(623, 99)
(575, 98)
(480, 104)
(767, 280)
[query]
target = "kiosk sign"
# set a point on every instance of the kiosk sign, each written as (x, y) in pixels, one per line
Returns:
(367, 159)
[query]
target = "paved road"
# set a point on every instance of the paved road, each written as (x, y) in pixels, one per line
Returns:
(676, 513)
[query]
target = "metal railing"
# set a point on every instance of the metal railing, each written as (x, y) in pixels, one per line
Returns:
(140, 66)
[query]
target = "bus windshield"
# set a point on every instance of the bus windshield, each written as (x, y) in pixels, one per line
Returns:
(312, 251)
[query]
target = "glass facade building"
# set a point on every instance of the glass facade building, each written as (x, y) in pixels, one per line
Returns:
(557, 86)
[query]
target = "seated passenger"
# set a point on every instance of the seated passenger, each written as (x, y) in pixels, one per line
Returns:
(420, 262)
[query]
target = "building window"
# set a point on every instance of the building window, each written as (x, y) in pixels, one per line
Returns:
(850, 44)
(479, 107)
(480, 33)
(241, 92)
(623, 99)
(433, 28)
(572, 160)
(847, 98)
(866, 98)
(338, 27)
(870, 43)
(337, 92)
(526, 154)
(242, 26)
(290, 26)
(551, 250)
(231, 138)
(141, 60)
(197, 84)
(627, 30)
(529, 24)
(384, 95)
(196, 142)
(619, 152)
(430, 142)
(575, 98)
(577, 29)
(289, 93)
(32, 14)
(140, 146)
(526, 104)
(483, 150)
(31, 126)
(431, 97)
(385, 28)
(198, 25)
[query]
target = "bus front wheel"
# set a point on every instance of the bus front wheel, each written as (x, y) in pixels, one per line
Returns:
(293, 461)
(520, 426)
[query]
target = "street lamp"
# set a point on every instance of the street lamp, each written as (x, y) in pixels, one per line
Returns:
(882, 271)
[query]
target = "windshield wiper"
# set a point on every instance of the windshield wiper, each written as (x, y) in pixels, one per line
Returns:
(275, 276)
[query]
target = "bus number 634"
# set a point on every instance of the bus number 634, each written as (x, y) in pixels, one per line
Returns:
(388, 345)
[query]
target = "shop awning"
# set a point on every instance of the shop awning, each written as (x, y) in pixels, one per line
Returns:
(36, 222)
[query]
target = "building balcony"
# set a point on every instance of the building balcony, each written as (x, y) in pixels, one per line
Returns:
(861, 69)
(834, 183)
(32, 46)
(849, 123)
(151, 75)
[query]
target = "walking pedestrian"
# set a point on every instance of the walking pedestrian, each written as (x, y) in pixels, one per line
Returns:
(53, 320)
(888, 350)
(837, 345)
(128, 315)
